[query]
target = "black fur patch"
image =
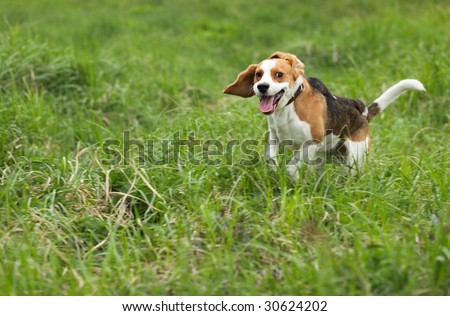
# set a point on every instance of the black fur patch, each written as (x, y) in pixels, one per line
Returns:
(344, 115)
(373, 109)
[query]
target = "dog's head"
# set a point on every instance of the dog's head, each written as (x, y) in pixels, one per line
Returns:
(273, 80)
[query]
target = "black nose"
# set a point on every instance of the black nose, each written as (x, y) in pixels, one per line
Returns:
(263, 87)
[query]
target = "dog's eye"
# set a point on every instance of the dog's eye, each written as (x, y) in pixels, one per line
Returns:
(279, 74)
(258, 75)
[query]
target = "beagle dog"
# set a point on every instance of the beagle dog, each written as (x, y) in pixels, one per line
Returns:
(303, 115)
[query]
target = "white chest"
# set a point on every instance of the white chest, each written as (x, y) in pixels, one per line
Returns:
(288, 128)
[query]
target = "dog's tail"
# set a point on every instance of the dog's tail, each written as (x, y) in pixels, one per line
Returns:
(390, 95)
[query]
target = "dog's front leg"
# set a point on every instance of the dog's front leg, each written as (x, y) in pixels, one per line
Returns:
(293, 165)
(310, 154)
(272, 150)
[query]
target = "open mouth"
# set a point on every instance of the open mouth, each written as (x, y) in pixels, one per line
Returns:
(268, 104)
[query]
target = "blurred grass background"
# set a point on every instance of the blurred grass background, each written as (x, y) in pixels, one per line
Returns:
(73, 221)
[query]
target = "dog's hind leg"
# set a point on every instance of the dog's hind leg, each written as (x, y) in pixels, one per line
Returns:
(356, 154)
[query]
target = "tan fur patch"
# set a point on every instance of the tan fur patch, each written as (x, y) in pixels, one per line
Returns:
(298, 67)
(285, 69)
(360, 134)
(311, 108)
(243, 85)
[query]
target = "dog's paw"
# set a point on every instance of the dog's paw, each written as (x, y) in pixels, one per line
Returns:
(293, 172)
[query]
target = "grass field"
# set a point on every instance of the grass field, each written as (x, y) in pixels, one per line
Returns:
(77, 218)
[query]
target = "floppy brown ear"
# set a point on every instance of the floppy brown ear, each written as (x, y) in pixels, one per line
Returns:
(243, 86)
(297, 66)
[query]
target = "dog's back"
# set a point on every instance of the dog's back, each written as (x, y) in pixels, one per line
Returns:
(344, 115)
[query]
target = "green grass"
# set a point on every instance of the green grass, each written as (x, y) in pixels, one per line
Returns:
(77, 221)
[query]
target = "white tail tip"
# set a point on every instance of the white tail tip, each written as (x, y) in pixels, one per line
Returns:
(412, 84)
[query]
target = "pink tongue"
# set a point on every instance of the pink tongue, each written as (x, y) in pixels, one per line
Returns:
(267, 104)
